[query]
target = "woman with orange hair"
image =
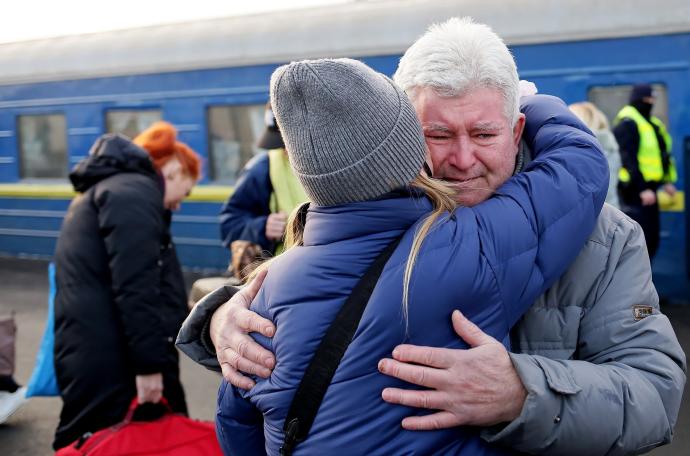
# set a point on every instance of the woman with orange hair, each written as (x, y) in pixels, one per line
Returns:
(120, 292)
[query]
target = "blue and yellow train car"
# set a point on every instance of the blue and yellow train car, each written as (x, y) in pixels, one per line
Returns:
(210, 79)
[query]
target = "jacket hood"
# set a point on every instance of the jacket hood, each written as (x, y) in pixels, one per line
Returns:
(111, 154)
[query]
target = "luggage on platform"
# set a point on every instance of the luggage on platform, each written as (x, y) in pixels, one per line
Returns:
(43, 381)
(170, 435)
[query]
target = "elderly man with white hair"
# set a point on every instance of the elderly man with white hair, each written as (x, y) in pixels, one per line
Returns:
(594, 367)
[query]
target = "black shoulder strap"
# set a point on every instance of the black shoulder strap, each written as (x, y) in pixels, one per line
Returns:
(325, 361)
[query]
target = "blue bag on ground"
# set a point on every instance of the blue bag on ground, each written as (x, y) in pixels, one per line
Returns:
(43, 381)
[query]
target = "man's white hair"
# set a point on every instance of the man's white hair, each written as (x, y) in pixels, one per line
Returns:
(459, 55)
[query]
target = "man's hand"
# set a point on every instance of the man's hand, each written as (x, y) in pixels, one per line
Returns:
(478, 386)
(149, 388)
(237, 352)
(670, 189)
(648, 197)
(275, 226)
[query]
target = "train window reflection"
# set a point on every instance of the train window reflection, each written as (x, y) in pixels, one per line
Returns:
(43, 146)
(610, 99)
(233, 132)
(131, 122)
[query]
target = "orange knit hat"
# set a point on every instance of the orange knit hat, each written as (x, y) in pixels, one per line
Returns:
(160, 141)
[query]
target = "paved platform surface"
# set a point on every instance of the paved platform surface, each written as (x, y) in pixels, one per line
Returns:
(23, 287)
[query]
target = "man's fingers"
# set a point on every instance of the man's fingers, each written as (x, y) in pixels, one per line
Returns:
(236, 361)
(427, 356)
(253, 287)
(419, 375)
(469, 332)
(249, 321)
(235, 378)
(248, 348)
(275, 225)
(439, 420)
(427, 399)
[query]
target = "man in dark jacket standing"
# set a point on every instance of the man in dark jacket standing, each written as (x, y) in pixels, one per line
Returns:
(120, 292)
(648, 166)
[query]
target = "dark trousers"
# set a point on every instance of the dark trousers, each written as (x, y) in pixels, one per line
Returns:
(649, 219)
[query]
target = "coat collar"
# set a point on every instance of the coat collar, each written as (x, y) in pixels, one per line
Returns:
(387, 217)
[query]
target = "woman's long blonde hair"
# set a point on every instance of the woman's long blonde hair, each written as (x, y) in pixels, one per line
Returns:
(442, 200)
(590, 115)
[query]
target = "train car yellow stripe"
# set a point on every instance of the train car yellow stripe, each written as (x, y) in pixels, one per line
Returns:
(210, 193)
(200, 193)
(220, 194)
(50, 191)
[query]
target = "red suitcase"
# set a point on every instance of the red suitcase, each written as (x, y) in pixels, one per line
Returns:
(170, 435)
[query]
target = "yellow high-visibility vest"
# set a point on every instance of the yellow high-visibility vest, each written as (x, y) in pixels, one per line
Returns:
(649, 152)
(288, 193)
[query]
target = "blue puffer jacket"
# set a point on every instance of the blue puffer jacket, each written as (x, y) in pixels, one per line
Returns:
(491, 261)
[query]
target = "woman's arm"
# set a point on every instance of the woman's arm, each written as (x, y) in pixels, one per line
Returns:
(537, 222)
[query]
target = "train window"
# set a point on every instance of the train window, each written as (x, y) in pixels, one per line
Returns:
(233, 132)
(131, 122)
(610, 99)
(43, 146)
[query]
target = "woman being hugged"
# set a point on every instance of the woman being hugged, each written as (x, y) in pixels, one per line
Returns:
(357, 147)
(120, 291)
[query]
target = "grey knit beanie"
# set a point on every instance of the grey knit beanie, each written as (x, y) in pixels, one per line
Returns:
(350, 132)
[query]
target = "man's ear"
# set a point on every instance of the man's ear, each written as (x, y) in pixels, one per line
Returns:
(518, 129)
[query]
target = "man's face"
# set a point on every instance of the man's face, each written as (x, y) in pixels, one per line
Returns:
(472, 144)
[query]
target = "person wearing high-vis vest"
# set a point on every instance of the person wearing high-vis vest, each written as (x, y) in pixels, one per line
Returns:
(648, 166)
(265, 194)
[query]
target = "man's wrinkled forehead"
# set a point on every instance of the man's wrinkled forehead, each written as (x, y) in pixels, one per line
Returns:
(470, 108)
(445, 93)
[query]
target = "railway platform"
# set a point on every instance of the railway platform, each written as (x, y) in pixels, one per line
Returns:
(29, 432)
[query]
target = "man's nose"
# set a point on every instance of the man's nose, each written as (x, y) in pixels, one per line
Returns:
(462, 156)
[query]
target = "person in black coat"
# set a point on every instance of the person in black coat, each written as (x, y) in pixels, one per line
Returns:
(120, 291)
